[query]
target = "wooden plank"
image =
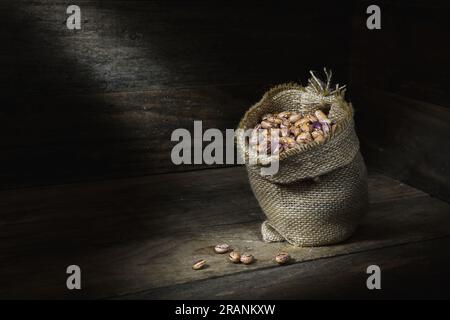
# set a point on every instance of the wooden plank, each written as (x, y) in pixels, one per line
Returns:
(408, 55)
(130, 235)
(82, 137)
(411, 271)
(134, 45)
(413, 143)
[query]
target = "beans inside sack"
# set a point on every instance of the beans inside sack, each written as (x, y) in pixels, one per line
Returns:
(278, 132)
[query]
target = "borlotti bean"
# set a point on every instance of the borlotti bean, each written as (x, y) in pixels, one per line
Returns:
(199, 265)
(222, 248)
(282, 258)
(318, 195)
(293, 128)
(234, 257)
(247, 258)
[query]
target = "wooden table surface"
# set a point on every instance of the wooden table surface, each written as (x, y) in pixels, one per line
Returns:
(138, 238)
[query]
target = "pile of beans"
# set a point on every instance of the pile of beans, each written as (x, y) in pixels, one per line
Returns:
(292, 128)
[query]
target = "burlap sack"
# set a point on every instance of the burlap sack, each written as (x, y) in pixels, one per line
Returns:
(319, 194)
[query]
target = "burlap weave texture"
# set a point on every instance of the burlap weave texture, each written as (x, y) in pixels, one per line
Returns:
(319, 194)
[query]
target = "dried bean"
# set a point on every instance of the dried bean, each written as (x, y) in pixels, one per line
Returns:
(319, 138)
(284, 114)
(282, 258)
(295, 117)
(247, 258)
(322, 117)
(222, 248)
(305, 137)
(266, 124)
(234, 257)
(199, 265)
(306, 127)
(316, 133)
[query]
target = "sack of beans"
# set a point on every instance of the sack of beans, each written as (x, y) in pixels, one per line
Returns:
(318, 194)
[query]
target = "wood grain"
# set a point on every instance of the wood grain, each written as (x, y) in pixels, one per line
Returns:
(408, 56)
(407, 139)
(81, 137)
(135, 45)
(131, 235)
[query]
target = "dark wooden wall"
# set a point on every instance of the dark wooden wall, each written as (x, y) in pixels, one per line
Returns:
(399, 83)
(103, 101)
